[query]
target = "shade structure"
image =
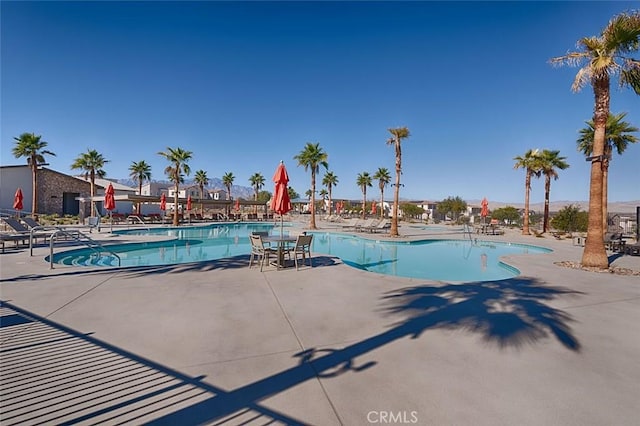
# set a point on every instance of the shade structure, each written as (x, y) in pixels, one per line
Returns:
(17, 200)
(281, 203)
(189, 203)
(373, 208)
(109, 199)
(163, 202)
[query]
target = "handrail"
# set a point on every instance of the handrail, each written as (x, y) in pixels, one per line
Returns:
(87, 241)
(131, 217)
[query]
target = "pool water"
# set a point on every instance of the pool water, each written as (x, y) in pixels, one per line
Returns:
(442, 259)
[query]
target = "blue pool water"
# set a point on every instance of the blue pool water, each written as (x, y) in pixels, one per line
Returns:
(443, 259)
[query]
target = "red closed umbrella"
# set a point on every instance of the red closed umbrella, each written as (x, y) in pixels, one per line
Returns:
(237, 206)
(17, 200)
(189, 203)
(484, 212)
(373, 208)
(281, 203)
(110, 203)
(163, 202)
(109, 200)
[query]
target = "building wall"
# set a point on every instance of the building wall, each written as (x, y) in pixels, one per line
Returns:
(52, 187)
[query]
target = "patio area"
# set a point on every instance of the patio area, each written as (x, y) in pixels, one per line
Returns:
(219, 343)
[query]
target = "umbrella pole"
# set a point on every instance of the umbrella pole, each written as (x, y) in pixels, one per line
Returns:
(111, 221)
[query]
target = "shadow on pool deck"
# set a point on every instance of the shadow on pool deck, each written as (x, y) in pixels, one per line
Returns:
(236, 262)
(105, 383)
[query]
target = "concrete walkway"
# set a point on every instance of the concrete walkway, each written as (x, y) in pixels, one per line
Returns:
(218, 343)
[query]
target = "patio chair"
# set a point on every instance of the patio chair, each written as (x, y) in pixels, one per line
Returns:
(383, 226)
(366, 225)
(16, 238)
(33, 224)
(259, 251)
(301, 248)
(632, 249)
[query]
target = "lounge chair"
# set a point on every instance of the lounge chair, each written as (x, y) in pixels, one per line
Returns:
(632, 249)
(20, 229)
(16, 238)
(613, 241)
(383, 226)
(302, 248)
(259, 251)
(366, 225)
(33, 224)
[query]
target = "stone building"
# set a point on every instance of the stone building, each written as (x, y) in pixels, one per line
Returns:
(57, 192)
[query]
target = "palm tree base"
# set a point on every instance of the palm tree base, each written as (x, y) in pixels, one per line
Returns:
(595, 260)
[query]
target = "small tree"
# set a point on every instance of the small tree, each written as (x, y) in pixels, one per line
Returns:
(509, 215)
(453, 205)
(571, 219)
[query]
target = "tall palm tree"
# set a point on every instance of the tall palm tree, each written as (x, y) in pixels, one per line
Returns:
(179, 159)
(202, 180)
(600, 58)
(397, 136)
(32, 147)
(330, 180)
(257, 182)
(227, 181)
(549, 162)
(530, 162)
(312, 157)
(92, 163)
(617, 135)
(140, 171)
(383, 177)
(363, 180)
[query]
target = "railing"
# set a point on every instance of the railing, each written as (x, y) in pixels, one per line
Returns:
(467, 231)
(132, 218)
(75, 235)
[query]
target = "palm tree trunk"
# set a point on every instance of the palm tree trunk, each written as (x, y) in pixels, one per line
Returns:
(92, 178)
(176, 221)
(547, 190)
(527, 189)
(594, 254)
(201, 203)
(605, 201)
(364, 201)
(139, 207)
(396, 194)
(312, 223)
(34, 192)
(330, 205)
(382, 203)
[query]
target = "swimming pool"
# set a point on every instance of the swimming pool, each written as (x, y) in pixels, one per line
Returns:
(441, 259)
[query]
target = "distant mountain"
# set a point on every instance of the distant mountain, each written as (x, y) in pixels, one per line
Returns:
(626, 207)
(237, 191)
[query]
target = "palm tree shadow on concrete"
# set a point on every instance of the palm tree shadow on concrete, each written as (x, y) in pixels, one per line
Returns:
(508, 313)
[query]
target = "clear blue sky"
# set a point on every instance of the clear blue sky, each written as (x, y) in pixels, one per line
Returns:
(245, 85)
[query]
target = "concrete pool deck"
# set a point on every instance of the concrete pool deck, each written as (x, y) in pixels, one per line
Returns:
(218, 343)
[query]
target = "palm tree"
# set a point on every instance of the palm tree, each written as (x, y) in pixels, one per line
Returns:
(364, 180)
(330, 180)
(601, 57)
(202, 180)
(32, 147)
(549, 162)
(397, 136)
(227, 181)
(140, 172)
(92, 163)
(312, 157)
(257, 182)
(179, 159)
(324, 194)
(617, 135)
(530, 162)
(383, 177)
